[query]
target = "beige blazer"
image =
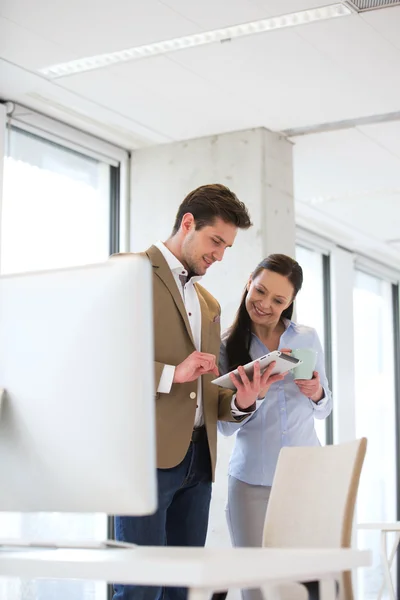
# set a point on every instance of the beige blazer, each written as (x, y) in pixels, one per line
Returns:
(173, 342)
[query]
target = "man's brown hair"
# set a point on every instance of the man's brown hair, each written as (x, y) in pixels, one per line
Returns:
(209, 202)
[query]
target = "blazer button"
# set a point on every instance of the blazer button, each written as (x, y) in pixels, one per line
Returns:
(192, 395)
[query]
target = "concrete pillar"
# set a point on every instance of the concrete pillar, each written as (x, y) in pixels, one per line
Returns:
(258, 166)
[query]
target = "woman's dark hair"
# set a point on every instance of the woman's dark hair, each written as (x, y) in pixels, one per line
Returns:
(238, 342)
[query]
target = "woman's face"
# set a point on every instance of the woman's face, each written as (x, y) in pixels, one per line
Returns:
(268, 295)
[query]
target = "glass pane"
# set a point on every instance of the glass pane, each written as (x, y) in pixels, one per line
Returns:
(55, 213)
(56, 206)
(375, 416)
(310, 305)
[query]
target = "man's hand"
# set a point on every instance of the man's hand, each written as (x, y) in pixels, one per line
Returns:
(248, 391)
(311, 388)
(196, 364)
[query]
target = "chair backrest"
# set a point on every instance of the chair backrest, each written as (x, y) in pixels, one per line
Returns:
(313, 497)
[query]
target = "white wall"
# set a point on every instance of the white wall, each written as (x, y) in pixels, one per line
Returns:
(257, 166)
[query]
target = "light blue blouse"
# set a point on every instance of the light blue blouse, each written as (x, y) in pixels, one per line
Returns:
(285, 417)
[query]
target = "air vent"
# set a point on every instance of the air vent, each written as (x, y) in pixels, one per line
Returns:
(364, 5)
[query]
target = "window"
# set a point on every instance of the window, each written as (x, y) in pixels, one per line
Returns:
(375, 415)
(311, 307)
(56, 206)
(59, 209)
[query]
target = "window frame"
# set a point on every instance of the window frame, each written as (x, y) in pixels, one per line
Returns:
(396, 343)
(312, 242)
(63, 135)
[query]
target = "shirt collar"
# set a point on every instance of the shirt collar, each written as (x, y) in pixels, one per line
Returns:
(288, 323)
(174, 264)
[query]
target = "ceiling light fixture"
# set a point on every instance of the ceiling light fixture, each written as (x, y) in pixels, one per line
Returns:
(303, 17)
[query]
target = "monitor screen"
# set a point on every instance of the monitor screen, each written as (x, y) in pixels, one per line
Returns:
(77, 425)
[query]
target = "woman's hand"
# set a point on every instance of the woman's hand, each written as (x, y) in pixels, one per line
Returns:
(311, 388)
(249, 391)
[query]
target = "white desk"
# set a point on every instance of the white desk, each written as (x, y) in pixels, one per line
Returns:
(203, 570)
(386, 559)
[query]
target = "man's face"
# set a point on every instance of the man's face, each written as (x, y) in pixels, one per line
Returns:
(201, 248)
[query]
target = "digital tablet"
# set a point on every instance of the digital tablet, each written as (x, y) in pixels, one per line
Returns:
(284, 362)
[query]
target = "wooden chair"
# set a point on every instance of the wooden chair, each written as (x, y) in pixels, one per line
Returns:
(312, 503)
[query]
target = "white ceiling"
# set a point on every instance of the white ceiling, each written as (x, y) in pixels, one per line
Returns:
(326, 71)
(353, 177)
(330, 71)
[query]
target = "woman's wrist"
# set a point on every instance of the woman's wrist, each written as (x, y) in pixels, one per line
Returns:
(318, 395)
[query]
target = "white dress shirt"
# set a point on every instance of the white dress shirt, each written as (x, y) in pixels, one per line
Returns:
(192, 305)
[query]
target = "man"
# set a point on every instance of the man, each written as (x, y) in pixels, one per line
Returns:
(188, 405)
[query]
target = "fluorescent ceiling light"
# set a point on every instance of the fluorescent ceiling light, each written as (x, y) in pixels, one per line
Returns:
(198, 39)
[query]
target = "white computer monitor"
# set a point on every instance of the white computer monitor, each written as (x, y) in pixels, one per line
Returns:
(77, 426)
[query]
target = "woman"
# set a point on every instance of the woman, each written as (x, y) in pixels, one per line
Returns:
(285, 409)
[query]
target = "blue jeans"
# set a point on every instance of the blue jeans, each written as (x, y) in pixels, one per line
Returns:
(184, 494)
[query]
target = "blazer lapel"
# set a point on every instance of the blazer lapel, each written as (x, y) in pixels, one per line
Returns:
(163, 271)
(205, 321)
